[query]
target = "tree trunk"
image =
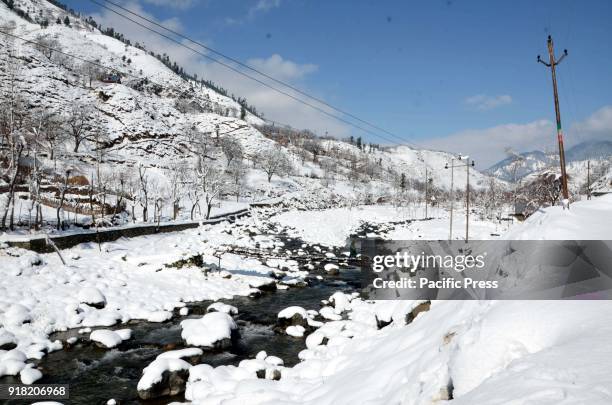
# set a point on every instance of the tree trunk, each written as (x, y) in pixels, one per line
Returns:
(11, 192)
(193, 207)
(60, 224)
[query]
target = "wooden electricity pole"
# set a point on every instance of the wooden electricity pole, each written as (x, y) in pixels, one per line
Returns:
(552, 65)
(588, 179)
(426, 182)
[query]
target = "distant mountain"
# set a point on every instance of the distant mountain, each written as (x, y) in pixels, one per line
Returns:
(590, 150)
(535, 161)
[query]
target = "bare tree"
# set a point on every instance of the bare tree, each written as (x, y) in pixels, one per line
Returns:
(211, 182)
(143, 192)
(176, 175)
(237, 173)
(314, 147)
(76, 123)
(231, 149)
(90, 72)
(47, 46)
(60, 206)
(12, 119)
(274, 161)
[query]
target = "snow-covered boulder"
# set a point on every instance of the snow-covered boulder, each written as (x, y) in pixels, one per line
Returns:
(329, 313)
(163, 377)
(7, 340)
(12, 362)
(221, 307)
(107, 339)
(92, 297)
(292, 316)
(341, 301)
(29, 375)
(17, 314)
(192, 355)
(332, 269)
(214, 331)
(296, 331)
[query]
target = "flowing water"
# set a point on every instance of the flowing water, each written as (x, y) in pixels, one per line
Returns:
(96, 375)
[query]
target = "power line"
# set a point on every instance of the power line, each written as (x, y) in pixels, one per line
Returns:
(246, 66)
(100, 65)
(238, 71)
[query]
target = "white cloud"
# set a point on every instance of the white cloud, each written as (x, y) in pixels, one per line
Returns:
(483, 102)
(274, 105)
(597, 125)
(180, 4)
(282, 69)
(488, 145)
(277, 106)
(263, 6)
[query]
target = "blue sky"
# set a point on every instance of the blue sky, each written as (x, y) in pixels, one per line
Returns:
(451, 74)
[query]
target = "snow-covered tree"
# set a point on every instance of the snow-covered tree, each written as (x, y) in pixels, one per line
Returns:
(232, 149)
(76, 124)
(143, 191)
(211, 181)
(274, 161)
(176, 174)
(237, 172)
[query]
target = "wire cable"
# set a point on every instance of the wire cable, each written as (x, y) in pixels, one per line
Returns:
(238, 71)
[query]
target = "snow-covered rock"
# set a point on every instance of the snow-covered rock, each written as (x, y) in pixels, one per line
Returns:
(164, 376)
(107, 339)
(295, 331)
(214, 330)
(30, 375)
(222, 307)
(92, 297)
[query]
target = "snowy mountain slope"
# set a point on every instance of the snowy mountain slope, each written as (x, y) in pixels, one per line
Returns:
(413, 162)
(148, 116)
(604, 183)
(536, 161)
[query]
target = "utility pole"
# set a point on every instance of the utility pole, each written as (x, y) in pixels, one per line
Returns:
(426, 192)
(552, 65)
(452, 197)
(588, 179)
(467, 197)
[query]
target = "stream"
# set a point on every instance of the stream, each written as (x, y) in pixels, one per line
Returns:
(96, 375)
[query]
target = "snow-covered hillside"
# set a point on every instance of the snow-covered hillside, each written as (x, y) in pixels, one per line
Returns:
(153, 117)
(532, 163)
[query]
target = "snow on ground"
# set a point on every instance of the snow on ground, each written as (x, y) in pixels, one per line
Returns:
(473, 352)
(126, 279)
(477, 352)
(585, 220)
(333, 226)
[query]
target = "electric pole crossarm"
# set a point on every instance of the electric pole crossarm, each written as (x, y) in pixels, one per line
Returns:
(542, 62)
(562, 57)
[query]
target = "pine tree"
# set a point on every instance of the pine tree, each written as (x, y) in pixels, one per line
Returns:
(67, 21)
(359, 142)
(403, 182)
